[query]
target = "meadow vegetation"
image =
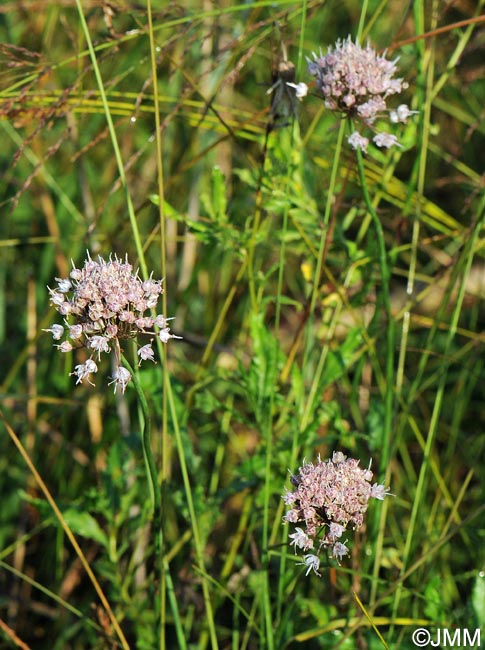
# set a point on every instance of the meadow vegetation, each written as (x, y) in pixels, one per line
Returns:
(328, 299)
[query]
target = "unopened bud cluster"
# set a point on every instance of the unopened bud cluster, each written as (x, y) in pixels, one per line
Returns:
(103, 303)
(357, 82)
(329, 497)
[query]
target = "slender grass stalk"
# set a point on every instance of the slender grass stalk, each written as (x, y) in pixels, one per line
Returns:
(251, 249)
(425, 111)
(221, 319)
(425, 81)
(199, 551)
(468, 254)
(69, 534)
(385, 272)
(281, 268)
(425, 108)
(364, 30)
(114, 142)
(363, 14)
(389, 402)
(50, 594)
(326, 216)
(308, 409)
(161, 349)
(372, 623)
(268, 426)
(159, 147)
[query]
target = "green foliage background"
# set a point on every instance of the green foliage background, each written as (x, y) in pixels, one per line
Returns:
(286, 350)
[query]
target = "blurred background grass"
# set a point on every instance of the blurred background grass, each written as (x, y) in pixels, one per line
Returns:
(241, 384)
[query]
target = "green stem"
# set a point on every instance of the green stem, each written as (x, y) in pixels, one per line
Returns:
(151, 468)
(152, 477)
(326, 216)
(389, 374)
(114, 141)
(158, 141)
(308, 410)
(199, 552)
(386, 296)
(161, 567)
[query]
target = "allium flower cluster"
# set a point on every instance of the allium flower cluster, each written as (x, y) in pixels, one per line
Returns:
(329, 497)
(357, 81)
(103, 303)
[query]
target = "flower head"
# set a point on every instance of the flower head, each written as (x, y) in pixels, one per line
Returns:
(104, 303)
(329, 498)
(357, 81)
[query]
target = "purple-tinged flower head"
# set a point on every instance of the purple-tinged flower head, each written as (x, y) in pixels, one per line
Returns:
(329, 498)
(357, 82)
(104, 303)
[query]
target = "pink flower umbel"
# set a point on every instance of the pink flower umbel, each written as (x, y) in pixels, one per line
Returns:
(357, 82)
(104, 303)
(329, 497)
